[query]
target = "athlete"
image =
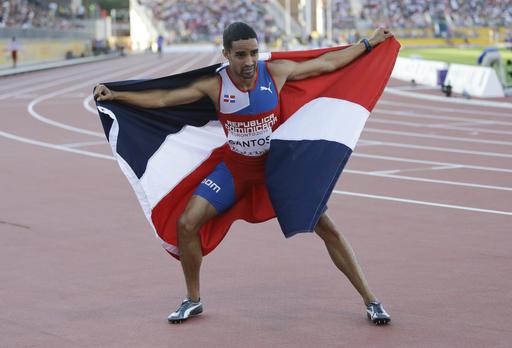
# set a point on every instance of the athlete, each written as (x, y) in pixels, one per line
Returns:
(244, 91)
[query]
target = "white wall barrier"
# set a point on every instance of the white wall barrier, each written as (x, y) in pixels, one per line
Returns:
(424, 72)
(478, 81)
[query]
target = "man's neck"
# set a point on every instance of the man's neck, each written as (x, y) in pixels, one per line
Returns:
(240, 83)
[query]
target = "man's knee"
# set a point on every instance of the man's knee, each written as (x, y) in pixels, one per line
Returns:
(187, 226)
(326, 230)
(197, 213)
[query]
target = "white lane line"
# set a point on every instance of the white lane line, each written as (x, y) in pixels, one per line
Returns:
(432, 204)
(445, 149)
(471, 123)
(55, 82)
(418, 115)
(433, 163)
(421, 169)
(443, 109)
(42, 118)
(472, 129)
(56, 74)
(433, 136)
(367, 142)
(471, 102)
(439, 126)
(445, 167)
(54, 146)
(85, 143)
(432, 181)
(25, 96)
(88, 99)
(87, 106)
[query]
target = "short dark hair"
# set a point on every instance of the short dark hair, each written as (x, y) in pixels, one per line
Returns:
(237, 31)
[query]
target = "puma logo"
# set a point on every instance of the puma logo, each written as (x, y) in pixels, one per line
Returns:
(263, 88)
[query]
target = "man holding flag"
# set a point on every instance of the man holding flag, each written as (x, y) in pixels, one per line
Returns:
(198, 209)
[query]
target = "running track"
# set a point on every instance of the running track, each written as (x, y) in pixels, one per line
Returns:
(426, 202)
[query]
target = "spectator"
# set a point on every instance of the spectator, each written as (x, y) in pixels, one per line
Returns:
(13, 47)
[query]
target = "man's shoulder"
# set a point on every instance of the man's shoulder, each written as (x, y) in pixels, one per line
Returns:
(280, 66)
(279, 63)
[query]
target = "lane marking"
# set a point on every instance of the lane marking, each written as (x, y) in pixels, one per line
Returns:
(440, 117)
(54, 146)
(442, 149)
(429, 97)
(444, 109)
(421, 169)
(56, 74)
(432, 204)
(55, 82)
(439, 126)
(40, 117)
(85, 143)
(417, 115)
(427, 180)
(471, 123)
(87, 101)
(434, 163)
(441, 137)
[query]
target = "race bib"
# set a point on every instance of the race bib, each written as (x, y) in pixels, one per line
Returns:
(250, 138)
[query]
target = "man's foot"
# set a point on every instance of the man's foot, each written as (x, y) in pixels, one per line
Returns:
(187, 309)
(377, 314)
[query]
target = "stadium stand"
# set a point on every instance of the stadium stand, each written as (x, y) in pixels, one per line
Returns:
(204, 20)
(33, 14)
(421, 14)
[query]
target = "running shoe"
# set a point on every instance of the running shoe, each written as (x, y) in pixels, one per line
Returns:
(187, 309)
(377, 314)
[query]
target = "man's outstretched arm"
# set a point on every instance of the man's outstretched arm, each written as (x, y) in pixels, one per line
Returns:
(288, 70)
(159, 98)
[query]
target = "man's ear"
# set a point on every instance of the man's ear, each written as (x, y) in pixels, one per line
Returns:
(225, 53)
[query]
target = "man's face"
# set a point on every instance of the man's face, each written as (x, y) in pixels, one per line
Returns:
(243, 57)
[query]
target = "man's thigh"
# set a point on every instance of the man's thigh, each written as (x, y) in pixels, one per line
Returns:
(218, 189)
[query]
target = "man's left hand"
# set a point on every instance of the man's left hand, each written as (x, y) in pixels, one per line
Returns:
(379, 35)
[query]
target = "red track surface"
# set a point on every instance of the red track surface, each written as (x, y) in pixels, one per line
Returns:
(80, 267)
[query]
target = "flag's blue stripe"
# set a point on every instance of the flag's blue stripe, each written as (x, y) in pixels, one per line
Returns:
(300, 177)
(106, 122)
(142, 131)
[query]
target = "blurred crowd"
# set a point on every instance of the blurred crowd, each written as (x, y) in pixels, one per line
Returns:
(421, 13)
(33, 14)
(205, 20)
(481, 13)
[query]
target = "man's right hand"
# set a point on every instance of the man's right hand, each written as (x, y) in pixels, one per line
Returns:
(102, 93)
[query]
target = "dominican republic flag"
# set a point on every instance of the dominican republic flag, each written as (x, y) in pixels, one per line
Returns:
(165, 153)
(229, 98)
